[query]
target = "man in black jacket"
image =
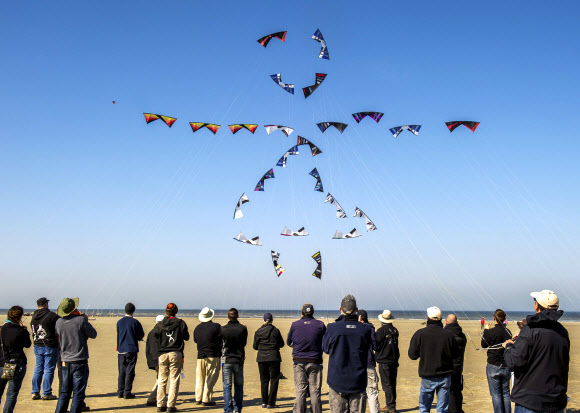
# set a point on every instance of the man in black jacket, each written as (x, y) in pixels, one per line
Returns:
(455, 394)
(45, 349)
(152, 356)
(234, 338)
(436, 348)
(387, 355)
(207, 337)
(268, 341)
(540, 357)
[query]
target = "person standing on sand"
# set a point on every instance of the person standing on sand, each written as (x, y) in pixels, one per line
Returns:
(171, 335)
(455, 392)
(207, 337)
(482, 322)
(436, 349)
(129, 333)
(234, 338)
(268, 341)
(387, 356)
(152, 355)
(347, 342)
(372, 390)
(540, 358)
(305, 338)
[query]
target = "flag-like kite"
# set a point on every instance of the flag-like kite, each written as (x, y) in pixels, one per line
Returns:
(286, 86)
(359, 214)
(471, 125)
(195, 126)
(319, 79)
(279, 270)
(266, 39)
(318, 187)
(254, 241)
(339, 211)
(352, 234)
(237, 127)
(267, 175)
(286, 130)
(238, 211)
(151, 117)
(323, 48)
(325, 125)
(318, 271)
(376, 116)
(414, 129)
(289, 233)
(313, 148)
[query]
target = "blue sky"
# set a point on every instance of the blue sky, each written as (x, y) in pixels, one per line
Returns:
(97, 204)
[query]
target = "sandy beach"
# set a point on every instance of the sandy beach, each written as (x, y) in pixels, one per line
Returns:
(101, 392)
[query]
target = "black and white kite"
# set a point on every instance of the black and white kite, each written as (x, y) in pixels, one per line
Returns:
(323, 48)
(339, 211)
(292, 151)
(286, 130)
(352, 234)
(238, 212)
(359, 214)
(313, 148)
(318, 271)
(318, 187)
(288, 87)
(289, 233)
(277, 267)
(338, 125)
(254, 241)
(414, 129)
(309, 89)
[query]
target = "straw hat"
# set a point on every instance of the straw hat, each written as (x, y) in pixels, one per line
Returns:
(386, 317)
(206, 314)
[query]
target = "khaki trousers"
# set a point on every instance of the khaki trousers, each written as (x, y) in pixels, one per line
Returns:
(170, 365)
(206, 376)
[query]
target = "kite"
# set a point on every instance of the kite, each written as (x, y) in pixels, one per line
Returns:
(319, 79)
(151, 117)
(352, 234)
(114, 102)
(289, 233)
(370, 226)
(254, 241)
(471, 125)
(318, 271)
(316, 175)
(279, 270)
(286, 86)
(323, 48)
(238, 212)
(266, 39)
(286, 130)
(313, 148)
(339, 211)
(195, 126)
(376, 116)
(325, 125)
(267, 175)
(414, 129)
(237, 127)
(292, 151)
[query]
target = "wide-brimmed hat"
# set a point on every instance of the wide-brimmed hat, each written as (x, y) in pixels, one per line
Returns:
(386, 317)
(206, 314)
(67, 306)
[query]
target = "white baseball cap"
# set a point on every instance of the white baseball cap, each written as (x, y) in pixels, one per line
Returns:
(434, 313)
(547, 299)
(159, 318)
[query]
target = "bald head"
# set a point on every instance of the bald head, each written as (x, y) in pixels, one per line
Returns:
(451, 318)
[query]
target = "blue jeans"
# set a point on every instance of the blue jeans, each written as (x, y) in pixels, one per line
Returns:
(45, 364)
(233, 373)
(498, 379)
(430, 385)
(74, 380)
(522, 409)
(13, 388)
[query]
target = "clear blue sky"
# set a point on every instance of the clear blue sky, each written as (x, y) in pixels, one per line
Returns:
(97, 204)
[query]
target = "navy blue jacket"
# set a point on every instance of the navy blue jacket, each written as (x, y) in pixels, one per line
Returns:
(347, 342)
(129, 333)
(371, 361)
(305, 338)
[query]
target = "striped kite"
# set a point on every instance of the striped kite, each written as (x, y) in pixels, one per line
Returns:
(286, 86)
(319, 79)
(414, 129)
(266, 39)
(286, 130)
(195, 126)
(376, 116)
(237, 127)
(150, 117)
(471, 125)
(325, 125)
(323, 48)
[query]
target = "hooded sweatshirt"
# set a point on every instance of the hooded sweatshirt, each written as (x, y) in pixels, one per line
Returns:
(436, 348)
(461, 341)
(234, 339)
(388, 345)
(171, 335)
(494, 337)
(15, 338)
(43, 324)
(305, 338)
(268, 341)
(152, 350)
(73, 332)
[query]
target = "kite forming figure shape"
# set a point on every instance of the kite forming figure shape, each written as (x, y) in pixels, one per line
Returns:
(151, 117)
(288, 87)
(238, 211)
(254, 241)
(318, 271)
(266, 39)
(370, 225)
(471, 125)
(289, 233)
(339, 211)
(318, 187)
(352, 234)
(195, 126)
(286, 130)
(414, 129)
(376, 116)
(338, 125)
(277, 267)
(292, 151)
(236, 127)
(260, 184)
(309, 89)
(313, 148)
(323, 48)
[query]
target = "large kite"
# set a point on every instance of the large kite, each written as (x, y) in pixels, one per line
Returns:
(313, 148)
(352, 234)
(319, 79)
(318, 271)
(289, 233)
(279, 270)
(266, 39)
(318, 187)
(292, 151)
(151, 117)
(414, 129)
(238, 211)
(195, 126)
(267, 175)
(286, 86)
(325, 125)
(471, 125)
(339, 211)
(376, 116)
(254, 241)
(370, 225)
(286, 130)
(323, 48)
(234, 128)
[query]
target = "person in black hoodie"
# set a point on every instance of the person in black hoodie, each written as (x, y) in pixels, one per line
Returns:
(152, 356)
(268, 341)
(14, 338)
(436, 348)
(234, 339)
(540, 358)
(45, 349)
(455, 394)
(387, 355)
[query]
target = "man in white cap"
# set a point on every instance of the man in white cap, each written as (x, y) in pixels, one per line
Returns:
(207, 337)
(540, 357)
(435, 348)
(387, 356)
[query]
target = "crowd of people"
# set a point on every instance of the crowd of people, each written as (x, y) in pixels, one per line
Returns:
(538, 358)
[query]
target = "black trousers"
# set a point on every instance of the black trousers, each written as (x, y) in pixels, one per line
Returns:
(388, 374)
(269, 379)
(127, 364)
(455, 393)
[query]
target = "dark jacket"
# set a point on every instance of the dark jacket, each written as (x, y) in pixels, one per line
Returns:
(43, 325)
(388, 345)
(129, 333)
(494, 337)
(15, 338)
(152, 350)
(461, 341)
(305, 338)
(268, 341)
(347, 343)
(234, 338)
(436, 349)
(73, 333)
(171, 335)
(207, 337)
(371, 361)
(540, 361)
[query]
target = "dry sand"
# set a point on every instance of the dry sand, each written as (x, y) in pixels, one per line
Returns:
(101, 392)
